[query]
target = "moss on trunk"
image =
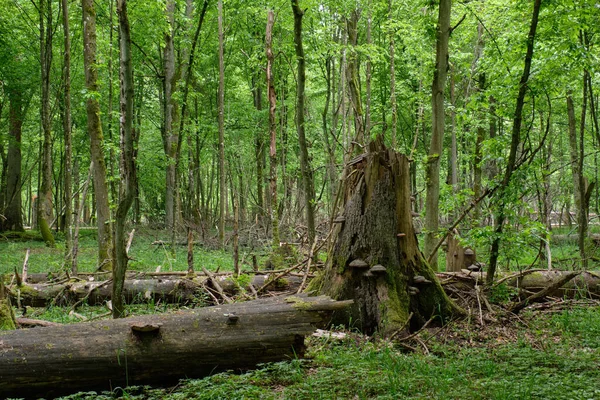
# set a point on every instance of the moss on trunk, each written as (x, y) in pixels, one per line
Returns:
(7, 316)
(376, 228)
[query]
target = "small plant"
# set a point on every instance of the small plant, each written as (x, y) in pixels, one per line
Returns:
(502, 293)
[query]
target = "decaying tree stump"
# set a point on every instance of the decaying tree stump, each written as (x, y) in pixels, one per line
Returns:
(157, 349)
(374, 258)
(459, 257)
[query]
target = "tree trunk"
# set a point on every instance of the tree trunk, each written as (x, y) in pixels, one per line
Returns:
(305, 168)
(94, 128)
(582, 212)
(394, 109)
(157, 349)
(437, 136)
(259, 152)
(221, 111)
(11, 218)
(170, 114)
(576, 172)
(272, 130)
(126, 184)
(353, 78)
(375, 258)
(68, 183)
(44, 214)
(515, 140)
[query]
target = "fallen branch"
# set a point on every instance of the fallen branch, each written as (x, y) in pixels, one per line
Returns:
(515, 308)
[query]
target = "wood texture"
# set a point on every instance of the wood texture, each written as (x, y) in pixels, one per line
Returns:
(157, 349)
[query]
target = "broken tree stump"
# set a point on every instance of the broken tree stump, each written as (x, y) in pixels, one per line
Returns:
(375, 259)
(158, 349)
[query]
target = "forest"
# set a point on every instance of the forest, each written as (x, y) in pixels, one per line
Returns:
(274, 196)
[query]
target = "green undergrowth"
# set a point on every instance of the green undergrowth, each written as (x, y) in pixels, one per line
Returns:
(549, 356)
(150, 249)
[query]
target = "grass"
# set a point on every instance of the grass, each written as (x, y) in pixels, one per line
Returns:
(147, 253)
(547, 356)
(554, 357)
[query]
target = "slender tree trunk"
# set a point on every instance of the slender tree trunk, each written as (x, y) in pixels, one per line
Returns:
(45, 196)
(394, 109)
(514, 145)
(353, 77)
(68, 183)
(11, 218)
(368, 74)
(437, 136)
(305, 169)
(582, 212)
(109, 125)
(272, 129)
(478, 158)
(221, 106)
(259, 151)
(577, 173)
(94, 128)
(330, 138)
(126, 185)
(170, 134)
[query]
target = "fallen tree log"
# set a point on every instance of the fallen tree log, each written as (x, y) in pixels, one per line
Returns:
(180, 291)
(158, 349)
(584, 285)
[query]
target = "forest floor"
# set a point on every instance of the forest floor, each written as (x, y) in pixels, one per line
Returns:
(549, 352)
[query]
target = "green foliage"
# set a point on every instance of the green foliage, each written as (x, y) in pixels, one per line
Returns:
(502, 293)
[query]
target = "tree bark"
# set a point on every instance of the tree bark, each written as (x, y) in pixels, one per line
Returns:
(394, 107)
(576, 172)
(375, 259)
(68, 183)
(158, 349)
(353, 82)
(305, 168)
(271, 94)
(170, 114)
(221, 117)
(44, 214)
(11, 218)
(514, 145)
(437, 136)
(94, 128)
(126, 184)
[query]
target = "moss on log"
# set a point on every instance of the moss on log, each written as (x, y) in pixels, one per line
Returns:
(157, 349)
(375, 258)
(179, 291)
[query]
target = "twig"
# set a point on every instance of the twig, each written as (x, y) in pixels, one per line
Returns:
(422, 343)
(487, 192)
(558, 283)
(25, 266)
(419, 331)
(403, 326)
(310, 257)
(129, 241)
(215, 282)
(517, 275)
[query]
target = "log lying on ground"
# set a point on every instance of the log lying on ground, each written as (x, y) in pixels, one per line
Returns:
(158, 349)
(181, 291)
(586, 284)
